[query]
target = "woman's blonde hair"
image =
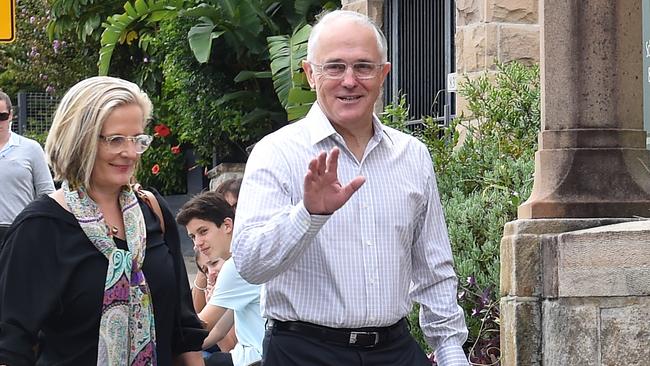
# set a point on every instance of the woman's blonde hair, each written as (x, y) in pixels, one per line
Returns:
(71, 145)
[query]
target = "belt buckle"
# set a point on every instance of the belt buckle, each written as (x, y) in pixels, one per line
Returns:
(354, 335)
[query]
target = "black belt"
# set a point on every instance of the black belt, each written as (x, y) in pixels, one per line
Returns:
(362, 337)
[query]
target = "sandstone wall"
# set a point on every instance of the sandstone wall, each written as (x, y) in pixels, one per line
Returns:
(490, 31)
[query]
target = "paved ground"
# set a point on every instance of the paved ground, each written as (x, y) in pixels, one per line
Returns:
(175, 202)
(191, 269)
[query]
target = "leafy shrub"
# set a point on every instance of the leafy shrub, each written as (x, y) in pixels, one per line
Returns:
(37, 63)
(37, 136)
(193, 98)
(163, 164)
(481, 183)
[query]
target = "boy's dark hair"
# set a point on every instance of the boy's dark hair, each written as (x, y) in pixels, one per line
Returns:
(231, 186)
(208, 206)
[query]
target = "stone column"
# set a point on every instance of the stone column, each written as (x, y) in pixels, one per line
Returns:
(592, 160)
(575, 291)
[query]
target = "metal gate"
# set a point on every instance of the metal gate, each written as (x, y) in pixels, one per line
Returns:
(34, 113)
(420, 36)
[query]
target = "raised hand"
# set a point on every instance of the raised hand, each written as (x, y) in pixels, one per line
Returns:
(324, 194)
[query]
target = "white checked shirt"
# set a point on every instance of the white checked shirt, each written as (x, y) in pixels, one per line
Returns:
(363, 265)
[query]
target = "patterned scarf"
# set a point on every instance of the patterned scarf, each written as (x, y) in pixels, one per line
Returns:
(127, 300)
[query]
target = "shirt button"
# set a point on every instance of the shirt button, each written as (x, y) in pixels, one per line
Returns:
(368, 242)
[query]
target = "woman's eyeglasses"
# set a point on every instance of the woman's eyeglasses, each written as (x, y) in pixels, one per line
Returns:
(4, 116)
(117, 143)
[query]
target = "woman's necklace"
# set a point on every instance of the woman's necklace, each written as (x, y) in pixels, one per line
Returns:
(112, 229)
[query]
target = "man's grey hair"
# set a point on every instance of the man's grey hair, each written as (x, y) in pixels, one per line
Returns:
(327, 17)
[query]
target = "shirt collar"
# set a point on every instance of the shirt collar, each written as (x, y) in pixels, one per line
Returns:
(14, 140)
(320, 127)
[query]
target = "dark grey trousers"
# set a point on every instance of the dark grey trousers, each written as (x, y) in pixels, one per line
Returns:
(282, 348)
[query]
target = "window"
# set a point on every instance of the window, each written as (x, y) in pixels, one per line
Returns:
(420, 37)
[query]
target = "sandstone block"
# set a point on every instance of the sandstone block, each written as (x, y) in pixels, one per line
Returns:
(469, 11)
(557, 226)
(372, 8)
(570, 333)
(520, 43)
(223, 172)
(520, 265)
(625, 334)
(605, 261)
(520, 331)
(512, 11)
(479, 48)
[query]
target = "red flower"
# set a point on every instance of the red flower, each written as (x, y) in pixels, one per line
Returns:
(155, 169)
(162, 130)
(176, 149)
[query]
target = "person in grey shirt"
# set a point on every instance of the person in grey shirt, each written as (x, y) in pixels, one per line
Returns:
(24, 173)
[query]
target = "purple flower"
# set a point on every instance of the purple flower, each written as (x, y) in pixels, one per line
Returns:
(485, 295)
(471, 281)
(145, 60)
(49, 89)
(32, 20)
(56, 45)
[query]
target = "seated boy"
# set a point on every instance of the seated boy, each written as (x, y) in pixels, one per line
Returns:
(208, 219)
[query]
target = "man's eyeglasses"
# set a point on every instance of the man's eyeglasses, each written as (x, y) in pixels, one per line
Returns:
(4, 116)
(117, 143)
(336, 70)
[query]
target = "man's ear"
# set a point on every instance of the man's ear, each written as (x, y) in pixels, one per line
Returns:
(384, 71)
(306, 66)
(228, 225)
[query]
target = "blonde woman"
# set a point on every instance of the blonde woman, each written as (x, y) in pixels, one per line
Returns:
(93, 273)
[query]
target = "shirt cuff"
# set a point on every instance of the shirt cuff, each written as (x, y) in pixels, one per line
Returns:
(451, 356)
(309, 224)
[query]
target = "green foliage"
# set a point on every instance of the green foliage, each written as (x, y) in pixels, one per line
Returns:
(196, 96)
(395, 115)
(287, 53)
(116, 28)
(80, 17)
(36, 136)
(34, 62)
(163, 165)
(225, 101)
(482, 180)
(289, 80)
